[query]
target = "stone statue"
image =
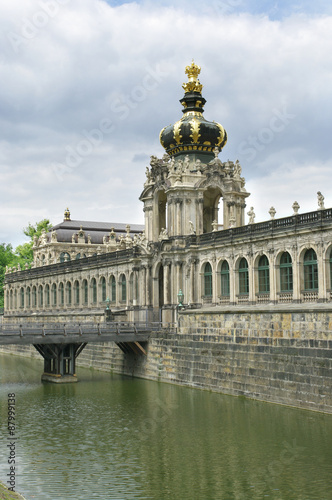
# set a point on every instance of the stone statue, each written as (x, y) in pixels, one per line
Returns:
(191, 227)
(172, 165)
(54, 237)
(252, 215)
(214, 226)
(237, 169)
(43, 237)
(186, 163)
(232, 221)
(89, 239)
(148, 175)
(295, 207)
(320, 201)
(272, 212)
(73, 238)
(163, 234)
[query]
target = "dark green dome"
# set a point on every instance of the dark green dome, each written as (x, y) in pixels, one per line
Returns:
(192, 133)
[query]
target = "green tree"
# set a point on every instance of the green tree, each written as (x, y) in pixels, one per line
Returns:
(23, 254)
(6, 257)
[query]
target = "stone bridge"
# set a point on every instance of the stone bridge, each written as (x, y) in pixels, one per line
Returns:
(61, 343)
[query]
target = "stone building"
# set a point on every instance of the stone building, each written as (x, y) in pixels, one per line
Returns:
(194, 247)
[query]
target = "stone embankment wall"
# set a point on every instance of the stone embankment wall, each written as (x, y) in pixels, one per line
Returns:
(281, 356)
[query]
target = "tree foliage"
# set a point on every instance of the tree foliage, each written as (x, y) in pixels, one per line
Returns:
(23, 254)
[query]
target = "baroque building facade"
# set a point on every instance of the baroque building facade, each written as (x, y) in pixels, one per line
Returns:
(194, 248)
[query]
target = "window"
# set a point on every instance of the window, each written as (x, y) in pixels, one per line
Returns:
(28, 297)
(77, 292)
(34, 296)
(207, 280)
(113, 289)
(54, 297)
(243, 277)
(286, 273)
(61, 294)
(123, 284)
(22, 297)
(69, 293)
(85, 291)
(331, 270)
(40, 296)
(94, 290)
(47, 295)
(310, 270)
(103, 289)
(263, 275)
(224, 279)
(64, 256)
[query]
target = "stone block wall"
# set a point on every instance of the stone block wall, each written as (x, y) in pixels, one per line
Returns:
(281, 356)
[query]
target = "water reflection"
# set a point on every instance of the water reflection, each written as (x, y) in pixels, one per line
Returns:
(112, 437)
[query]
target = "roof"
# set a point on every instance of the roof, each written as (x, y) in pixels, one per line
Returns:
(97, 230)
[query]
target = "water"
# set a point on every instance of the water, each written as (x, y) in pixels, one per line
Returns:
(113, 437)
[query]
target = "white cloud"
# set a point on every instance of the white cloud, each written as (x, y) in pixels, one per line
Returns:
(266, 78)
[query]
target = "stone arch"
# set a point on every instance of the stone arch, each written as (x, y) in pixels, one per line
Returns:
(160, 212)
(211, 199)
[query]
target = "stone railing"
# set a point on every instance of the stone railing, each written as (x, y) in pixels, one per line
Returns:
(309, 296)
(319, 217)
(284, 297)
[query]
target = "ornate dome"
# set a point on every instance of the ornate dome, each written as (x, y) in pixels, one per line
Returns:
(192, 133)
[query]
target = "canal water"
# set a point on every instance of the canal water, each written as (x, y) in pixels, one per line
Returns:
(113, 437)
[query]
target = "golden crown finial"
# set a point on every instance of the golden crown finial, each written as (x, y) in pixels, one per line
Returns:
(67, 214)
(193, 85)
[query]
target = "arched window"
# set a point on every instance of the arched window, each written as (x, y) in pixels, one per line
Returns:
(34, 296)
(103, 289)
(77, 292)
(243, 277)
(94, 290)
(47, 295)
(224, 279)
(286, 273)
(85, 290)
(310, 270)
(61, 294)
(113, 289)
(263, 275)
(64, 257)
(78, 256)
(40, 296)
(68, 293)
(331, 270)
(11, 300)
(54, 297)
(123, 285)
(43, 260)
(28, 297)
(22, 297)
(208, 280)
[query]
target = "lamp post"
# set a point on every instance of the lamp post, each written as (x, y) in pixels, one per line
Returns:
(108, 312)
(180, 299)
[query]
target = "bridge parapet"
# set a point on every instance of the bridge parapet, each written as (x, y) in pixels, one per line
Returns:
(66, 333)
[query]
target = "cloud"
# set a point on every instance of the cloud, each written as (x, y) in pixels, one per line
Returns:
(87, 87)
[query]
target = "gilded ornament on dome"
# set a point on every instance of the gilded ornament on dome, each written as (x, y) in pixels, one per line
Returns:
(194, 127)
(222, 137)
(193, 85)
(177, 132)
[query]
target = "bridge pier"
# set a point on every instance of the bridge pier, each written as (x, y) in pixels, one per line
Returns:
(60, 361)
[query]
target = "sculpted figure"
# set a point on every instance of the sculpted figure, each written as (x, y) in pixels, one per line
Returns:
(54, 237)
(186, 163)
(272, 212)
(237, 169)
(191, 227)
(320, 201)
(252, 216)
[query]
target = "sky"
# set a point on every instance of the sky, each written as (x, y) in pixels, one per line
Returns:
(87, 85)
